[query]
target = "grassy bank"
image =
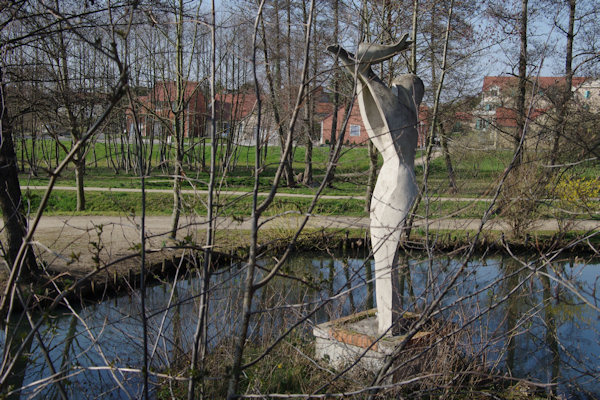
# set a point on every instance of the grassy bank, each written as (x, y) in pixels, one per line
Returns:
(475, 171)
(63, 202)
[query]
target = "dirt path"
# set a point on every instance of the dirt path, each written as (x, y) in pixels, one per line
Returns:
(234, 193)
(77, 240)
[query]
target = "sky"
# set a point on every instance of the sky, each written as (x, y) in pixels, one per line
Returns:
(497, 52)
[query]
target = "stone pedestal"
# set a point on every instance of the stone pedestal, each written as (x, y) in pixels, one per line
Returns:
(343, 341)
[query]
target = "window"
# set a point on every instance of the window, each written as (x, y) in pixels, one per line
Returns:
(488, 107)
(354, 130)
(226, 129)
(587, 94)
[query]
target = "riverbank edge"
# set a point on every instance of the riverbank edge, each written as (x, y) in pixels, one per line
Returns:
(120, 276)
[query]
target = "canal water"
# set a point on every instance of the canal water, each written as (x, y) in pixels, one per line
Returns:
(521, 316)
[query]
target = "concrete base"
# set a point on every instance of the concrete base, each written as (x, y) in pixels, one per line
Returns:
(345, 340)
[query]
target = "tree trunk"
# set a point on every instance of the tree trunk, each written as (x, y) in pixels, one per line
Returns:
(79, 172)
(24, 153)
(288, 171)
(94, 154)
(177, 174)
(178, 127)
(108, 151)
(199, 348)
(56, 152)
(521, 117)
(447, 159)
(150, 151)
(336, 96)
(290, 180)
(11, 202)
(308, 113)
(308, 170)
(413, 51)
(562, 107)
(33, 164)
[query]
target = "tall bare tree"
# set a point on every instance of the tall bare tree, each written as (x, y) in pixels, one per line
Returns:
(522, 83)
(11, 200)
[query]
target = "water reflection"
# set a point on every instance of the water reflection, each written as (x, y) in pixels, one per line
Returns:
(17, 338)
(520, 318)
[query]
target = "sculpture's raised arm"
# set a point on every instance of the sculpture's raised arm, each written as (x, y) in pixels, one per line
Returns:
(367, 55)
(347, 58)
(372, 53)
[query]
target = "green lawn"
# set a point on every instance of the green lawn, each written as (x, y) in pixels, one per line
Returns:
(112, 203)
(477, 174)
(351, 171)
(102, 170)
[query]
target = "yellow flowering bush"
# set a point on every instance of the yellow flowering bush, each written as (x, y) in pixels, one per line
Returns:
(578, 191)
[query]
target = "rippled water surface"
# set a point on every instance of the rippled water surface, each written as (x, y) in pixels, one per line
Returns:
(532, 320)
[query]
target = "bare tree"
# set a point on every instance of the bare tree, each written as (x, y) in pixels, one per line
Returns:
(13, 296)
(521, 112)
(11, 201)
(434, 118)
(75, 98)
(250, 286)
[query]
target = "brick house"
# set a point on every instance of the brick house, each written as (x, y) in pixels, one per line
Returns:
(236, 115)
(497, 110)
(356, 133)
(155, 110)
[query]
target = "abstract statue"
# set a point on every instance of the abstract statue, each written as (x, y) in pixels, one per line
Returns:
(390, 116)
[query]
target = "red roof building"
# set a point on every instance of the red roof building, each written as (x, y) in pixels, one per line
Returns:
(235, 106)
(502, 83)
(156, 111)
(356, 133)
(499, 93)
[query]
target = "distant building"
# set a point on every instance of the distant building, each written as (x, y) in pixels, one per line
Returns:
(236, 116)
(155, 112)
(497, 110)
(588, 93)
(236, 113)
(464, 121)
(356, 133)
(323, 104)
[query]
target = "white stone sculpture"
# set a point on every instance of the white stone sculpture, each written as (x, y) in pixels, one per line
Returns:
(390, 116)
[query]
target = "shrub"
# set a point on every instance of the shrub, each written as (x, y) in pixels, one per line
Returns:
(519, 201)
(577, 192)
